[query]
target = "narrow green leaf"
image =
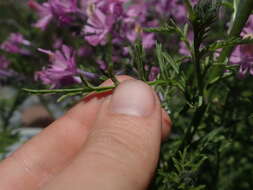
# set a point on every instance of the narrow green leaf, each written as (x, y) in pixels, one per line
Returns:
(172, 62)
(165, 29)
(229, 42)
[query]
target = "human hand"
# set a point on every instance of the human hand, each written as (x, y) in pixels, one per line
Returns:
(108, 141)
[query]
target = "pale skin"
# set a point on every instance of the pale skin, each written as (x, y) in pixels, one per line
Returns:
(109, 141)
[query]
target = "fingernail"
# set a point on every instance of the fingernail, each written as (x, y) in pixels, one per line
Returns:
(133, 97)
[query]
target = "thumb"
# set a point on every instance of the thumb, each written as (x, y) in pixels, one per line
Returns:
(123, 148)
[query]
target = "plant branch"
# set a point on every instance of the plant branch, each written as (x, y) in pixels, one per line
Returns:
(242, 15)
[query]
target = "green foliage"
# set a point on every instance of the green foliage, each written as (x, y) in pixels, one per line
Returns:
(212, 110)
(139, 57)
(228, 43)
(186, 166)
(165, 29)
(7, 138)
(212, 150)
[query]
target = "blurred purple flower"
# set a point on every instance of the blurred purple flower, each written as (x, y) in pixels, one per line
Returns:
(5, 71)
(61, 10)
(102, 15)
(194, 2)
(135, 32)
(182, 47)
(44, 12)
(58, 42)
(167, 8)
(248, 29)
(110, 7)
(84, 51)
(134, 21)
(136, 13)
(14, 44)
(243, 54)
(98, 27)
(63, 69)
(153, 73)
(102, 65)
(174, 8)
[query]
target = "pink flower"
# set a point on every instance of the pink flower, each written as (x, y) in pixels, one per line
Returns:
(44, 12)
(134, 22)
(248, 29)
(14, 44)
(5, 71)
(62, 70)
(153, 73)
(243, 54)
(61, 10)
(98, 27)
(183, 50)
(172, 8)
(102, 15)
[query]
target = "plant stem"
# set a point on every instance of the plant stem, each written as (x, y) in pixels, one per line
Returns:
(242, 15)
(191, 131)
(19, 99)
(189, 7)
(198, 71)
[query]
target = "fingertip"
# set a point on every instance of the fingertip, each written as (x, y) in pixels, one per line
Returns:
(108, 82)
(166, 125)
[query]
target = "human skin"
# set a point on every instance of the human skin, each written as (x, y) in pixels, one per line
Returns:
(107, 141)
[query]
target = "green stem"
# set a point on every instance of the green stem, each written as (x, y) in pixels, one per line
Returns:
(69, 90)
(84, 89)
(47, 91)
(242, 15)
(19, 99)
(191, 131)
(198, 69)
(196, 61)
(189, 8)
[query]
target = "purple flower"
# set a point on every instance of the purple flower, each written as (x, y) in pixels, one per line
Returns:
(102, 65)
(84, 51)
(61, 10)
(248, 29)
(63, 69)
(14, 44)
(174, 8)
(134, 22)
(243, 56)
(4, 68)
(102, 15)
(153, 73)
(136, 13)
(183, 50)
(110, 7)
(58, 42)
(44, 12)
(98, 27)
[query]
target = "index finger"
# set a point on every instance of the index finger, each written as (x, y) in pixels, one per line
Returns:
(45, 155)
